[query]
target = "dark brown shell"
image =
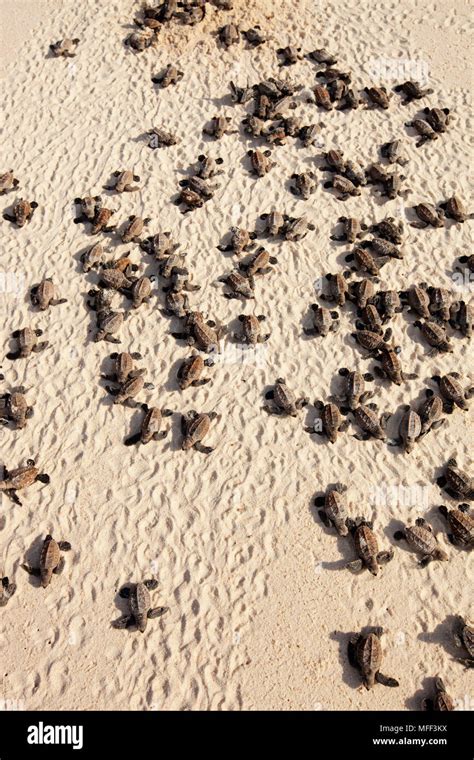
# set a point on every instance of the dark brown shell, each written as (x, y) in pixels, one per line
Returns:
(196, 429)
(369, 655)
(332, 420)
(191, 370)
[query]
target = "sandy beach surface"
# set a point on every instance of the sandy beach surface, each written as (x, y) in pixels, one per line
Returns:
(261, 605)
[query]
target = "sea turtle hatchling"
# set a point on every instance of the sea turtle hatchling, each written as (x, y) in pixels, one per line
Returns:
(378, 97)
(240, 241)
(365, 653)
(65, 48)
(296, 228)
(332, 508)
(190, 371)
(260, 162)
(27, 341)
(126, 391)
(435, 335)
(89, 207)
(109, 322)
(430, 412)
(390, 367)
(92, 258)
(160, 246)
(352, 229)
(176, 304)
(7, 590)
(424, 129)
(134, 228)
(239, 285)
(417, 298)
(367, 547)
(323, 57)
(462, 317)
(123, 367)
(428, 216)
(362, 292)
(353, 392)
(389, 229)
(208, 166)
(284, 401)
(259, 263)
(228, 35)
(324, 321)
(454, 208)
(304, 184)
(452, 392)
(438, 118)
(194, 427)
(412, 91)
(343, 187)
(14, 408)
(8, 182)
(251, 332)
(441, 702)
(367, 418)
(124, 182)
(322, 98)
(393, 152)
(218, 127)
(371, 340)
(101, 220)
(44, 295)
(409, 431)
(388, 303)
(457, 483)
(422, 540)
(461, 523)
(21, 477)
(329, 423)
(338, 291)
(289, 55)
(197, 332)
(171, 75)
(22, 212)
(275, 223)
(463, 634)
(140, 41)
(159, 138)
(138, 595)
(254, 36)
(150, 428)
(50, 561)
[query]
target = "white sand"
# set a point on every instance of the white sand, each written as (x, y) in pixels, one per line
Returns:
(255, 584)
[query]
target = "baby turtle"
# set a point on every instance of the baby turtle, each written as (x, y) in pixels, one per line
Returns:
(190, 371)
(92, 258)
(389, 229)
(393, 152)
(259, 263)
(421, 539)
(296, 228)
(14, 408)
(417, 299)
(362, 292)
(150, 428)
(239, 285)
(352, 229)
(44, 295)
(89, 208)
(412, 91)
(21, 477)
(322, 98)
(461, 524)
(134, 228)
(65, 48)
(308, 134)
(124, 182)
(138, 595)
(378, 97)
(454, 209)
(441, 702)
(463, 635)
(353, 391)
(140, 41)
(427, 215)
(364, 261)
(409, 431)
(365, 653)
(435, 335)
(430, 412)
(7, 590)
(366, 417)
(323, 57)
(260, 162)
(367, 548)
(218, 127)
(8, 182)
(22, 212)
(251, 333)
(176, 304)
(289, 55)
(424, 129)
(160, 138)
(324, 321)
(27, 340)
(194, 427)
(208, 166)
(130, 388)
(338, 288)
(461, 316)
(100, 222)
(50, 561)
(452, 392)
(388, 303)
(200, 333)
(390, 366)
(229, 34)
(304, 184)
(372, 340)
(109, 322)
(123, 367)
(240, 240)
(254, 36)
(369, 319)
(332, 508)
(171, 75)
(438, 118)
(160, 246)
(343, 187)
(275, 223)
(329, 423)
(456, 482)
(140, 291)
(284, 400)
(254, 126)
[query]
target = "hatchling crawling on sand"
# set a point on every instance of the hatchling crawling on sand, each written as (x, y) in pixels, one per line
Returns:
(438, 118)
(138, 595)
(251, 332)
(150, 428)
(365, 653)
(124, 367)
(343, 187)
(239, 285)
(65, 48)
(27, 340)
(296, 228)
(457, 483)
(89, 207)
(160, 246)
(430, 412)
(289, 55)
(274, 223)
(134, 228)
(284, 400)
(240, 241)
(367, 418)
(378, 97)
(412, 91)
(461, 316)
(388, 303)
(14, 408)
(259, 263)
(441, 702)
(367, 547)
(109, 322)
(461, 523)
(7, 590)
(322, 98)
(362, 292)
(422, 540)
(390, 367)
(100, 222)
(424, 129)
(332, 508)
(22, 211)
(324, 321)
(389, 229)
(176, 304)
(8, 182)
(409, 431)
(171, 75)
(454, 209)
(194, 427)
(50, 561)
(208, 166)
(44, 295)
(452, 392)
(463, 634)
(428, 216)
(124, 182)
(338, 290)
(393, 152)
(435, 334)
(304, 184)
(329, 423)
(140, 41)
(21, 477)
(197, 332)
(160, 138)
(229, 34)
(190, 371)
(254, 36)
(218, 127)
(353, 392)
(260, 162)
(352, 229)
(126, 391)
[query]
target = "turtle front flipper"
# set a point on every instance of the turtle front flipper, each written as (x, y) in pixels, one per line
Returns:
(203, 449)
(384, 557)
(123, 622)
(157, 612)
(59, 567)
(133, 439)
(386, 680)
(352, 650)
(12, 494)
(124, 592)
(65, 546)
(355, 566)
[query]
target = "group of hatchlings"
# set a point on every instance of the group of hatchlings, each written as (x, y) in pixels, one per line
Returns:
(436, 306)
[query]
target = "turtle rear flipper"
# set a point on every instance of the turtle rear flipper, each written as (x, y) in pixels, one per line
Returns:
(386, 680)
(123, 622)
(355, 566)
(203, 449)
(31, 570)
(424, 561)
(157, 612)
(12, 494)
